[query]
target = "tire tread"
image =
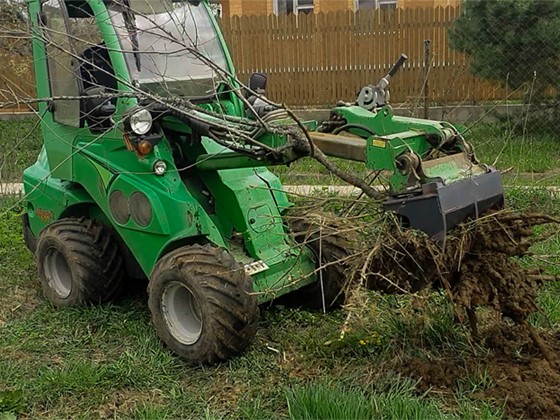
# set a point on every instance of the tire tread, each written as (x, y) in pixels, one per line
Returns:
(92, 255)
(227, 291)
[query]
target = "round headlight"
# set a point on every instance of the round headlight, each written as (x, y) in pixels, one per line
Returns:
(141, 122)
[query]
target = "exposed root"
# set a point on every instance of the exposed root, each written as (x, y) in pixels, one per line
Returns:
(546, 351)
(479, 267)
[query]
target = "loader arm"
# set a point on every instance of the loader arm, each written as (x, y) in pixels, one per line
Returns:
(435, 179)
(432, 194)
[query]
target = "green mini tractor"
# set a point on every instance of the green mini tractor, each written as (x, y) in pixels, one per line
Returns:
(154, 166)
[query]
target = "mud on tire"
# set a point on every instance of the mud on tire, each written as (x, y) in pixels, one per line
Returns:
(333, 242)
(78, 262)
(202, 304)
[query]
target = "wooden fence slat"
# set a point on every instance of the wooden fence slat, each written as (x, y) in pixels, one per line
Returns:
(318, 59)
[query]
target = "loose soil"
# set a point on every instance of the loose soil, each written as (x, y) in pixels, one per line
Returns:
(523, 383)
(479, 267)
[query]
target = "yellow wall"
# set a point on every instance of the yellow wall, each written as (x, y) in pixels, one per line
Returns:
(262, 7)
(333, 5)
(256, 7)
(428, 3)
(246, 7)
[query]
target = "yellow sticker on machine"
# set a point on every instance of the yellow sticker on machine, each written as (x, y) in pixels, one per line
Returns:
(378, 143)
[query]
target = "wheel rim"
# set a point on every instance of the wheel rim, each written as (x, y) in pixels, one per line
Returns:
(58, 273)
(181, 312)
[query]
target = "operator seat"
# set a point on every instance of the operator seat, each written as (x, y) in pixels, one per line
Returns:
(97, 76)
(96, 69)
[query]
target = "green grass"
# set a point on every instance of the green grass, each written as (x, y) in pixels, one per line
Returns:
(533, 200)
(107, 361)
(20, 142)
(327, 401)
(538, 153)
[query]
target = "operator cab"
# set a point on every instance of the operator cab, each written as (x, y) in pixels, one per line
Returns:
(159, 47)
(170, 48)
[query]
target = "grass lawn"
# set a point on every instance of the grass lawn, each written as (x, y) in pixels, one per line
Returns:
(106, 361)
(20, 142)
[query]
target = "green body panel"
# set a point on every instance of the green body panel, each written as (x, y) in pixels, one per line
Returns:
(244, 204)
(49, 198)
(79, 170)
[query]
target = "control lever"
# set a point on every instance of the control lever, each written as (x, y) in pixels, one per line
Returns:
(384, 82)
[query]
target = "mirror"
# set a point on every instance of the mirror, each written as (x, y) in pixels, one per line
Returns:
(257, 82)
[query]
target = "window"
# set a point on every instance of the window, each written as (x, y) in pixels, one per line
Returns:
(376, 4)
(92, 63)
(304, 6)
(159, 45)
(387, 4)
(61, 72)
(83, 32)
(366, 4)
(293, 6)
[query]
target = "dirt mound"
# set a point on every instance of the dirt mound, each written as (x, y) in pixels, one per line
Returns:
(478, 265)
(514, 377)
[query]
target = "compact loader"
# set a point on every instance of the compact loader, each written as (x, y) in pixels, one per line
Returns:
(154, 166)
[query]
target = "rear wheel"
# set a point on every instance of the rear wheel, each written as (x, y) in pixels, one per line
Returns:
(202, 304)
(78, 263)
(331, 244)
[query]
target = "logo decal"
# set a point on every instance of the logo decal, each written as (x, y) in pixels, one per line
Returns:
(44, 215)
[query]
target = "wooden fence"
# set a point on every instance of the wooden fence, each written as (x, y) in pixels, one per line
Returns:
(319, 59)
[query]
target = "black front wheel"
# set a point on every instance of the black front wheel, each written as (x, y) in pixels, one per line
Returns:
(78, 261)
(202, 304)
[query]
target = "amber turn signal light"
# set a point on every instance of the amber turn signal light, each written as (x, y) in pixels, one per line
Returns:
(144, 147)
